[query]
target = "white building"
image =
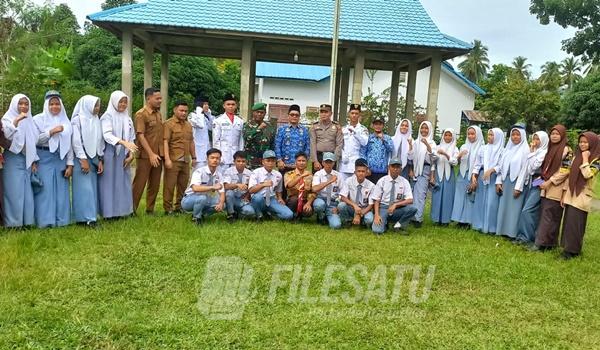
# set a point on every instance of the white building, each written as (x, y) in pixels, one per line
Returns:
(280, 85)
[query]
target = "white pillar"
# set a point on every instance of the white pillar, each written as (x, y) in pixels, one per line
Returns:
(148, 63)
(393, 100)
(411, 85)
(126, 70)
(247, 78)
(344, 87)
(359, 71)
(434, 88)
(164, 84)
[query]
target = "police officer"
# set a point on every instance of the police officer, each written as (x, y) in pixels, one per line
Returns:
(356, 135)
(227, 132)
(325, 136)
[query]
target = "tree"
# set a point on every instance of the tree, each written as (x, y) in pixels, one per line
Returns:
(581, 105)
(476, 65)
(570, 67)
(109, 4)
(551, 75)
(371, 76)
(522, 68)
(583, 15)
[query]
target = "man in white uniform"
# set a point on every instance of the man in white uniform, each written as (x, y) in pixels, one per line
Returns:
(202, 122)
(356, 135)
(227, 132)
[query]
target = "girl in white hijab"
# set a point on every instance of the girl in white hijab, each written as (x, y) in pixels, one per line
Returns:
(52, 202)
(528, 183)
(403, 147)
(483, 179)
(424, 154)
(463, 205)
(442, 195)
(88, 145)
(514, 160)
(19, 162)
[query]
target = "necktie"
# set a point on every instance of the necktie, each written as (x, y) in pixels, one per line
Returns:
(268, 192)
(328, 192)
(359, 195)
(211, 180)
(393, 193)
(301, 187)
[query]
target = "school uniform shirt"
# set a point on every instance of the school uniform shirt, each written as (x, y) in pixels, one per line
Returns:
(201, 123)
(351, 190)
(203, 176)
(383, 190)
(228, 136)
(583, 201)
(354, 138)
(321, 176)
(233, 176)
(261, 175)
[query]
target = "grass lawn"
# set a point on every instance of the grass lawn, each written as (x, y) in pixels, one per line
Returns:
(136, 283)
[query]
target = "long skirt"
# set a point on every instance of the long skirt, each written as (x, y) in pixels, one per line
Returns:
(116, 197)
(52, 202)
(85, 192)
(530, 215)
(462, 206)
(420, 192)
(509, 210)
(18, 194)
(573, 229)
(485, 213)
(549, 225)
(442, 199)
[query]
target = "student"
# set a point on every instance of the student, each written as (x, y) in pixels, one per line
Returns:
(392, 200)
(355, 206)
(514, 159)
(425, 153)
(403, 147)
(55, 167)
(464, 195)
(442, 194)
(236, 180)
(88, 146)
(227, 132)
(116, 198)
(356, 136)
(554, 172)
(266, 185)
(206, 194)
(327, 184)
(483, 180)
(298, 183)
(578, 193)
(201, 120)
(19, 162)
(378, 150)
(528, 183)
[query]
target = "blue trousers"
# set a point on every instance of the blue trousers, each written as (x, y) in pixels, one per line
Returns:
(346, 214)
(234, 203)
(402, 215)
(260, 207)
(322, 209)
(199, 204)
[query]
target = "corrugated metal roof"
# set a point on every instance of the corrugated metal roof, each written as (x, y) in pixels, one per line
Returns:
(464, 79)
(403, 22)
(291, 71)
(475, 116)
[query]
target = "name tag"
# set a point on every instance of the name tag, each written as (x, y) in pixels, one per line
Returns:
(400, 196)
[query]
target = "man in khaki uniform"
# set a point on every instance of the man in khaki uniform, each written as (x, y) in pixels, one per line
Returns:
(149, 139)
(325, 136)
(179, 151)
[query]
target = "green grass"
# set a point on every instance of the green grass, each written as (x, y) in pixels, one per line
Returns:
(135, 284)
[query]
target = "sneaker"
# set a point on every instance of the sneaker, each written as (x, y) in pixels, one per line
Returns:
(197, 221)
(231, 218)
(397, 226)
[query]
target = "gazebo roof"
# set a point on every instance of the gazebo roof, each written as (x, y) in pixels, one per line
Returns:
(396, 22)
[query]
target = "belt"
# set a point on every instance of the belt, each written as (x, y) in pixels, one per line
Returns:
(42, 147)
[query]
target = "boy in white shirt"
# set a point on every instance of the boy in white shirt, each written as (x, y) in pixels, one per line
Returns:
(236, 180)
(355, 206)
(327, 184)
(266, 185)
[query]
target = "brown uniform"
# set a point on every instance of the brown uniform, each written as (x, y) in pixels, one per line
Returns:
(326, 138)
(179, 136)
(293, 194)
(150, 124)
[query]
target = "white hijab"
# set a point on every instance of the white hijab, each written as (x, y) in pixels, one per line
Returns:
(492, 152)
(514, 157)
(46, 121)
(540, 153)
(402, 139)
(121, 122)
(26, 135)
(472, 149)
(442, 161)
(91, 130)
(420, 150)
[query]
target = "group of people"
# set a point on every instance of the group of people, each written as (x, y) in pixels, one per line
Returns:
(253, 169)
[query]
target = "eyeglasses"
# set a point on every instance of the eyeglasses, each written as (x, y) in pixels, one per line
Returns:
(294, 114)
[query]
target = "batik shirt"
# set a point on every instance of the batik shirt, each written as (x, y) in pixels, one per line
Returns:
(291, 140)
(377, 152)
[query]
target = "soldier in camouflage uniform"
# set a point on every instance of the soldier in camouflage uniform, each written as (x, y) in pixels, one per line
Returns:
(258, 136)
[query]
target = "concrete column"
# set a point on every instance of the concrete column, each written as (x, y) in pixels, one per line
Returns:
(247, 80)
(336, 98)
(411, 86)
(359, 71)
(343, 98)
(148, 63)
(126, 69)
(391, 125)
(434, 88)
(164, 84)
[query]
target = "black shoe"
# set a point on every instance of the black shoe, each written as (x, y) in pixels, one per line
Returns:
(197, 221)
(258, 219)
(417, 224)
(567, 256)
(231, 218)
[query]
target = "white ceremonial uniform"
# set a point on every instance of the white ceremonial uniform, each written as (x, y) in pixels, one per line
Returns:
(202, 124)
(228, 138)
(355, 137)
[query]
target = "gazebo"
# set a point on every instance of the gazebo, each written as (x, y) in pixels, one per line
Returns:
(392, 35)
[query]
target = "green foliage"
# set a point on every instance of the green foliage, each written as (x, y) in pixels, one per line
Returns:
(477, 63)
(521, 67)
(581, 105)
(570, 69)
(109, 4)
(551, 75)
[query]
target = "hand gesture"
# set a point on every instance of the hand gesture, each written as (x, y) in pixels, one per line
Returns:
(242, 187)
(356, 220)
(333, 179)
(267, 183)
(131, 147)
(317, 166)
(85, 165)
(57, 129)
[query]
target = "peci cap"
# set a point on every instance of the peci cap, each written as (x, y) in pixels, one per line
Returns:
(361, 162)
(229, 97)
(294, 108)
(354, 107)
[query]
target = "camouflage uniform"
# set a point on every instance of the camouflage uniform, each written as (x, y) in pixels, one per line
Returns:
(257, 141)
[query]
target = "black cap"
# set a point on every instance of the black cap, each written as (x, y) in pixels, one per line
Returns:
(325, 107)
(294, 108)
(354, 107)
(361, 162)
(199, 100)
(229, 97)
(379, 118)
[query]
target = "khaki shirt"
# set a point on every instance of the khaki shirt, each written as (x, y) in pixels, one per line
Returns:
(149, 123)
(295, 191)
(179, 135)
(583, 201)
(326, 138)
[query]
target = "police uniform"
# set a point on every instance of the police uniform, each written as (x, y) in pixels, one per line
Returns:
(325, 138)
(228, 136)
(355, 137)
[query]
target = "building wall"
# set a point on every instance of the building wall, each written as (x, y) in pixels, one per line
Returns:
(303, 93)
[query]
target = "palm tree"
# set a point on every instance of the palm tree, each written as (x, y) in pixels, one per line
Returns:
(476, 65)
(570, 67)
(551, 75)
(371, 76)
(521, 67)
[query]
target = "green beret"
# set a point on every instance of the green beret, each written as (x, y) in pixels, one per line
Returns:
(259, 107)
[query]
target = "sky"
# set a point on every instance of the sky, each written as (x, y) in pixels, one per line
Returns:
(506, 27)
